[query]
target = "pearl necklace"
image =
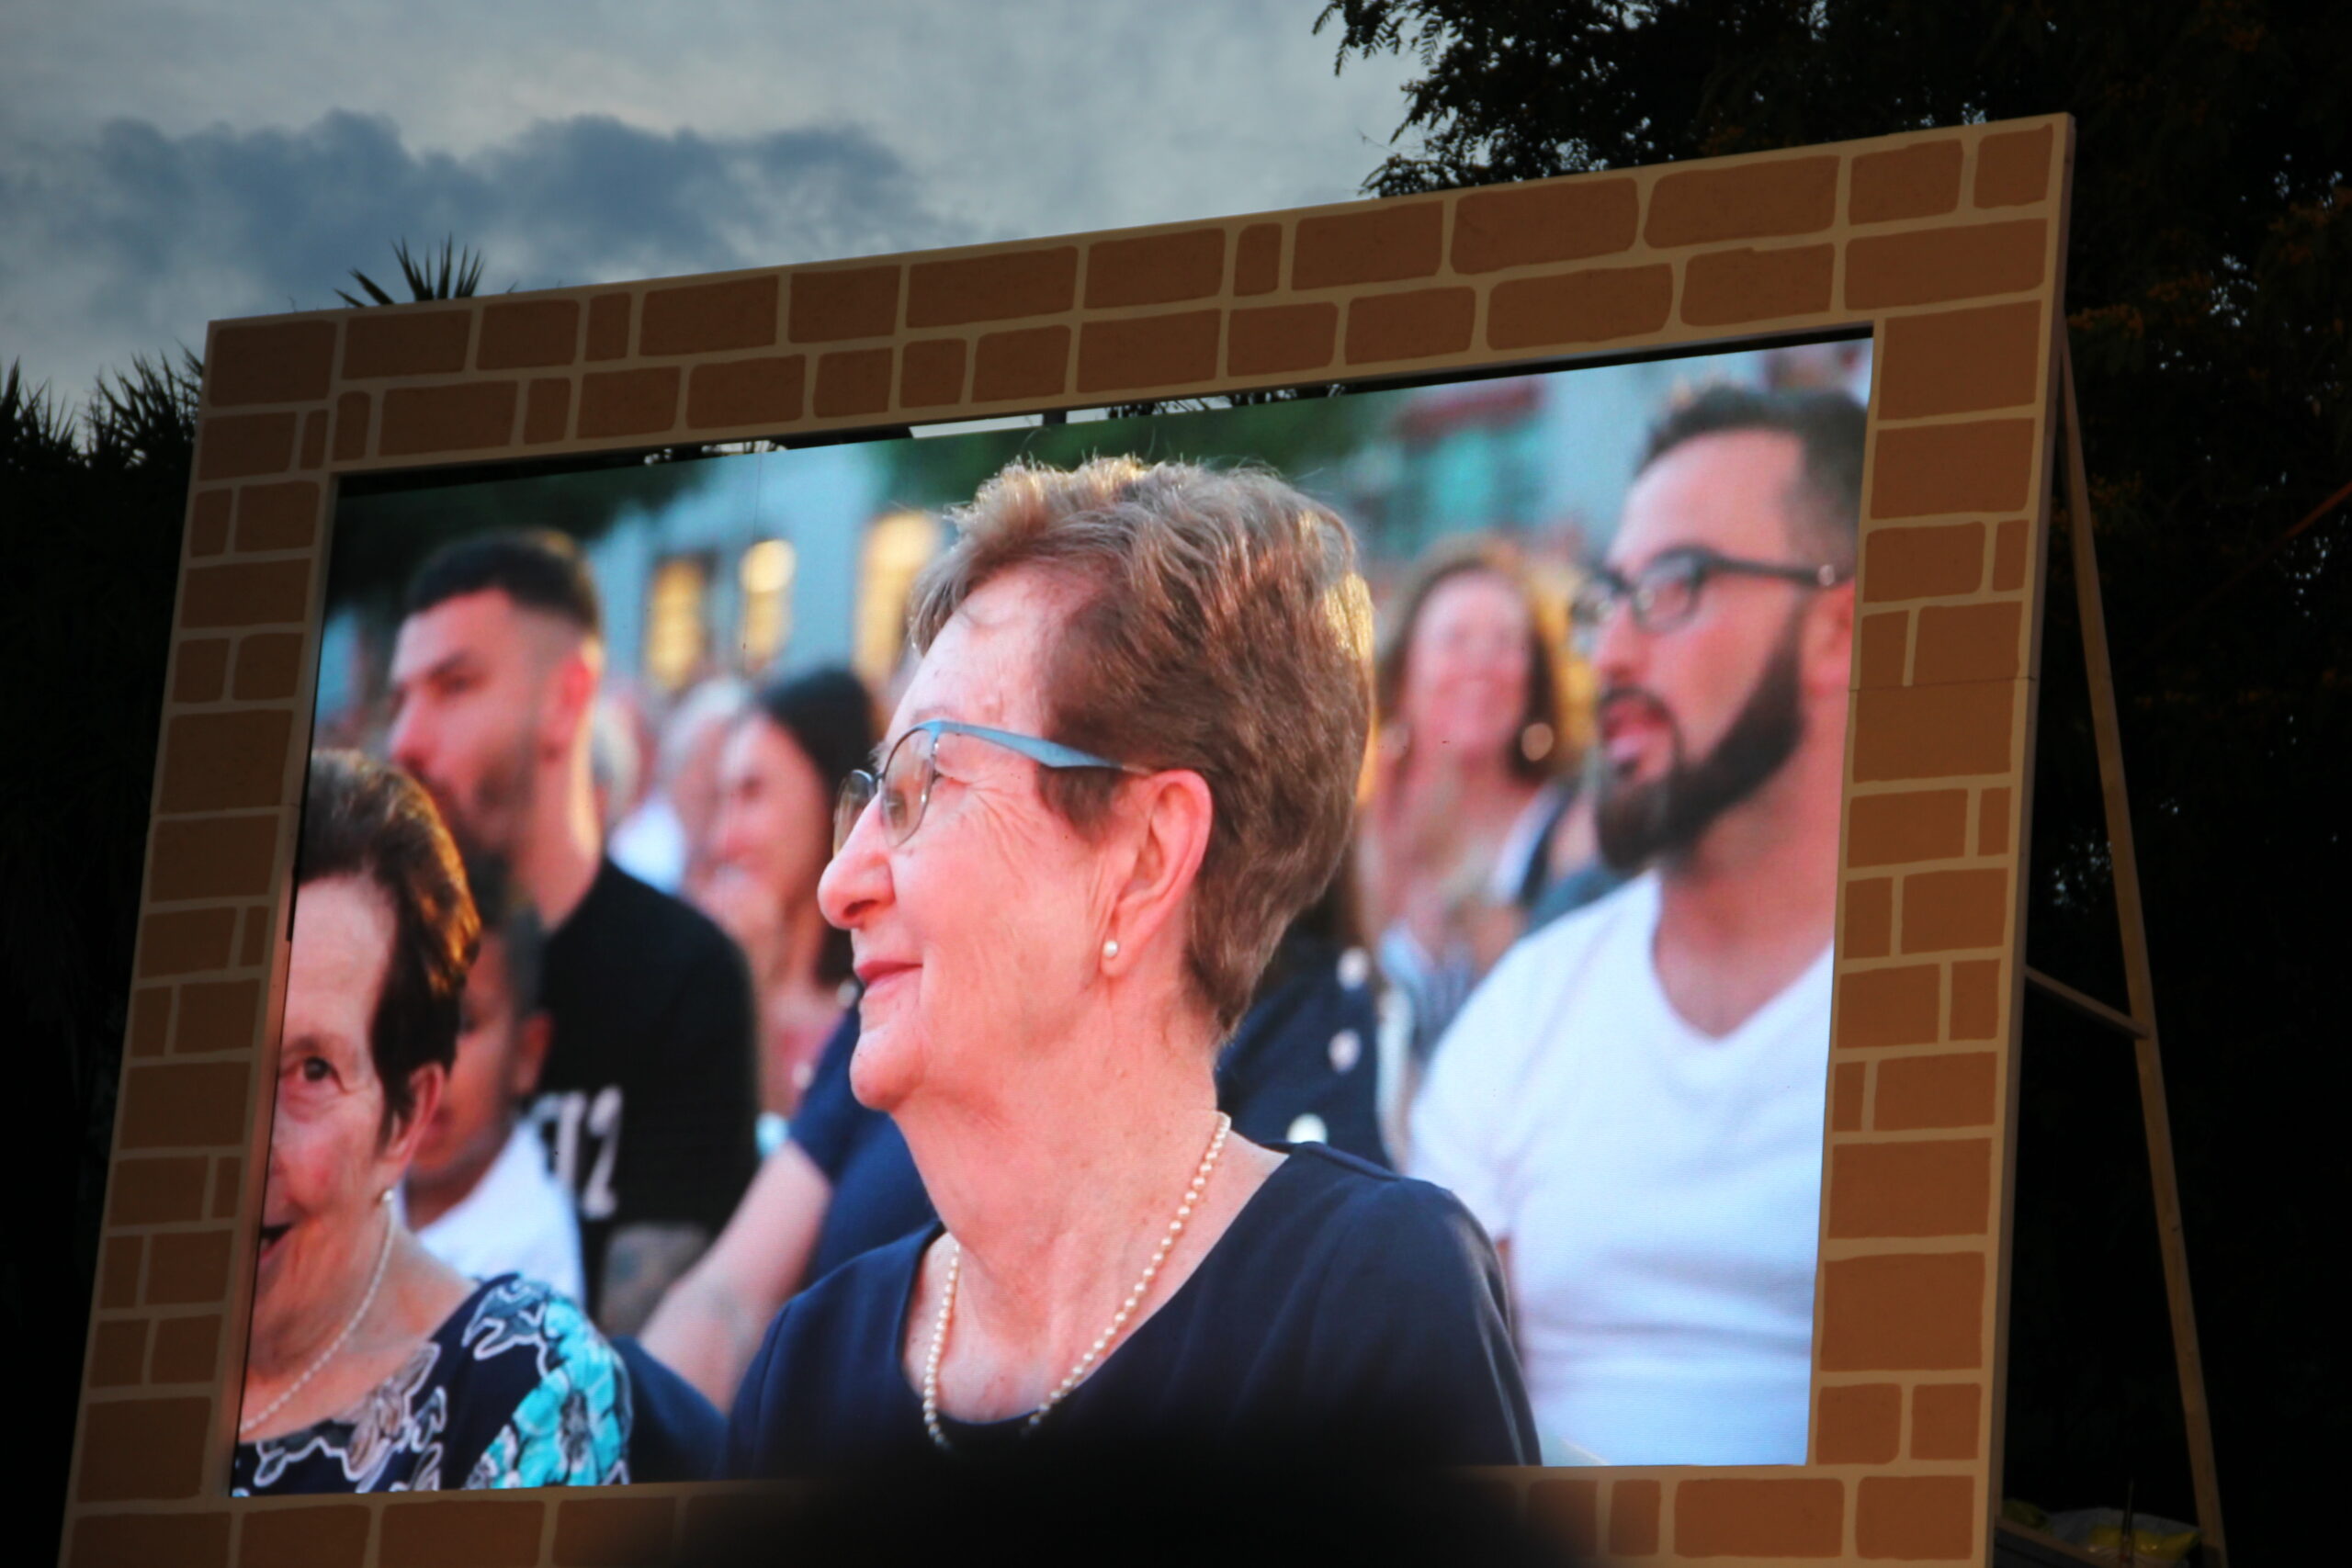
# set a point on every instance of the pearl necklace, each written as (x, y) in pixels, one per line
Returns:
(383, 1255)
(1094, 1352)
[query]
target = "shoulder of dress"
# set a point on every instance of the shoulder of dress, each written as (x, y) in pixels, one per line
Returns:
(1358, 1201)
(1397, 1240)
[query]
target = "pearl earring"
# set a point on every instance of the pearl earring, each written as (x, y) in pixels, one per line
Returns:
(1111, 948)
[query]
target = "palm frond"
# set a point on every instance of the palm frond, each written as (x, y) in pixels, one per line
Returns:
(454, 274)
(36, 429)
(145, 417)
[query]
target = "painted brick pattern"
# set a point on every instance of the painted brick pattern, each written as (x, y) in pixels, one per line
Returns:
(1943, 242)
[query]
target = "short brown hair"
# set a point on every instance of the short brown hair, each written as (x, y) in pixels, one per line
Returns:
(1223, 630)
(363, 820)
(1546, 702)
(1824, 504)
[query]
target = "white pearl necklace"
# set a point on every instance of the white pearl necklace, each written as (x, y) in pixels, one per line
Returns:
(383, 1255)
(1094, 1352)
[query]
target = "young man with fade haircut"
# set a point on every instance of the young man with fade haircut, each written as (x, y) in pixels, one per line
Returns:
(647, 1101)
(1632, 1101)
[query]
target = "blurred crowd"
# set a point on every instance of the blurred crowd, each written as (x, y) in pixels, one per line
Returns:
(1572, 967)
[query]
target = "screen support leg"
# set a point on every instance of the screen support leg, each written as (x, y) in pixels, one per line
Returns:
(2140, 1024)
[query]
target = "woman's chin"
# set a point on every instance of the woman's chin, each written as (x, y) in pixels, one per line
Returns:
(270, 1290)
(879, 1070)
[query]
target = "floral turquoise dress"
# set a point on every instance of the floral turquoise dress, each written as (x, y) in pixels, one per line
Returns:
(516, 1388)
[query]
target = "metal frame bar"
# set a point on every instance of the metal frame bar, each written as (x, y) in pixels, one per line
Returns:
(2140, 1021)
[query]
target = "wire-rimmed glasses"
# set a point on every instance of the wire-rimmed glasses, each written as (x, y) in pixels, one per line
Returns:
(903, 782)
(1665, 593)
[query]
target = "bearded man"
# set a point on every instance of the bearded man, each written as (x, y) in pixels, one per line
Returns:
(646, 1101)
(1632, 1101)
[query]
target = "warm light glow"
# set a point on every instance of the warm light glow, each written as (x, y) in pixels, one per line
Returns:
(899, 544)
(673, 621)
(767, 567)
(766, 575)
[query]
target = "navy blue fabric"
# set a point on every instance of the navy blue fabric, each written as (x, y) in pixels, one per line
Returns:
(1279, 1067)
(1346, 1309)
(877, 1193)
(677, 1434)
(1308, 1047)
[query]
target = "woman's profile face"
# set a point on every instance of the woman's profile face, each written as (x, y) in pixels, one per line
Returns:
(1466, 666)
(981, 933)
(327, 1171)
(773, 820)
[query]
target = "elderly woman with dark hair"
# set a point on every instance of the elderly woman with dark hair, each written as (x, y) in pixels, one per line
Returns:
(1128, 759)
(373, 1366)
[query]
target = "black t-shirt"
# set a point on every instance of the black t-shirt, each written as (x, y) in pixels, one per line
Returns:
(1346, 1309)
(648, 1101)
(1302, 1063)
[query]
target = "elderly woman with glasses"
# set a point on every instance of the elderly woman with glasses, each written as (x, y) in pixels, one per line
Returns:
(1126, 760)
(373, 1366)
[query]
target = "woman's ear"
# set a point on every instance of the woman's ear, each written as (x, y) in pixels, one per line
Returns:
(425, 1085)
(1174, 813)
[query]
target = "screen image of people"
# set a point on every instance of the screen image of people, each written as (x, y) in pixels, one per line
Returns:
(1301, 929)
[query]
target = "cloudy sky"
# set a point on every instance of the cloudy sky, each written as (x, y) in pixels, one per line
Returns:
(165, 163)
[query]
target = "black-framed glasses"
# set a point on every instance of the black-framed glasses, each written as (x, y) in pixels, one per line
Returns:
(1666, 592)
(903, 782)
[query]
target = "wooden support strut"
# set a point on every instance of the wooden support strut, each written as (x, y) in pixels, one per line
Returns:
(2140, 1021)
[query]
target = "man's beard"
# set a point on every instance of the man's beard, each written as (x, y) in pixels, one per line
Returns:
(1636, 823)
(488, 823)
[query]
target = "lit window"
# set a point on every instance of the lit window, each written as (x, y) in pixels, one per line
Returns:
(898, 546)
(766, 576)
(673, 622)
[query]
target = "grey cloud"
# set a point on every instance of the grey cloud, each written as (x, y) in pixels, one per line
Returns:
(132, 239)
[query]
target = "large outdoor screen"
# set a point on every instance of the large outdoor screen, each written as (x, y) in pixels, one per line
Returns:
(1577, 965)
(1619, 699)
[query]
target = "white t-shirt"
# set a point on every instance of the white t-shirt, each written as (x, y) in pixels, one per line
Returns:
(518, 1219)
(1659, 1190)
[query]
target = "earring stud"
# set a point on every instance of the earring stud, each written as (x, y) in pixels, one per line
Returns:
(1111, 948)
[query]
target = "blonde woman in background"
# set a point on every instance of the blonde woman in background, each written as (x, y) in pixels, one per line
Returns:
(1474, 808)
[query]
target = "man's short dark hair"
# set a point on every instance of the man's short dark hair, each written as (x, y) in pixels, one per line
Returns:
(364, 819)
(1826, 506)
(537, 568)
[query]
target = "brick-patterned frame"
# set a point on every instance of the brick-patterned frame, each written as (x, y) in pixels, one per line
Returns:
(1948, 245)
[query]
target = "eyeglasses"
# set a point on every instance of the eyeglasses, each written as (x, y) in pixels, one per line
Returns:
(903, 783)
(1665, 593)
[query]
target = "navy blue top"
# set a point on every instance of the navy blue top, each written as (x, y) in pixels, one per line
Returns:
(877, 1194)
(674, 1433)
(1346, 1309)
(1307, 1048)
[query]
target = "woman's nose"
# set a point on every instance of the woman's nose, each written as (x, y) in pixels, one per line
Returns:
(858, 876)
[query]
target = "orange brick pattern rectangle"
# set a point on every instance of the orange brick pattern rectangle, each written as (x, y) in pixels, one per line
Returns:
(1945, 245)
